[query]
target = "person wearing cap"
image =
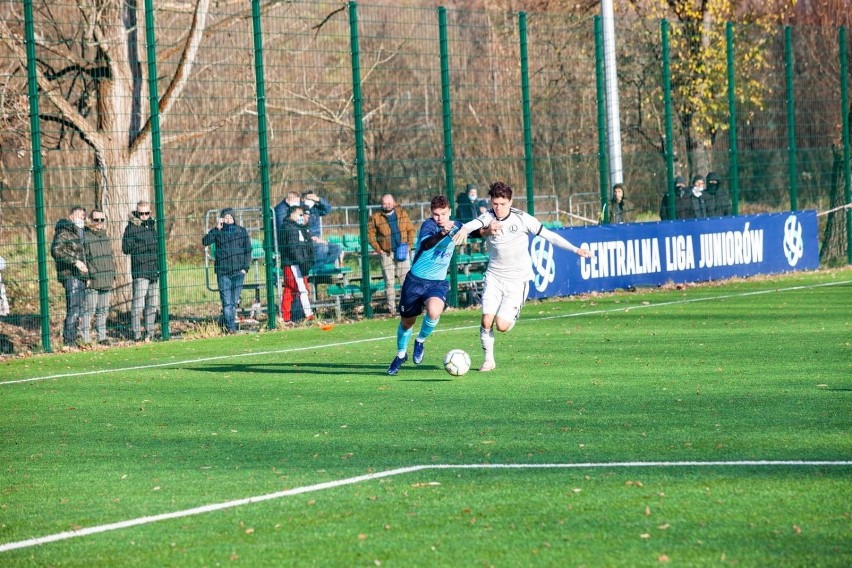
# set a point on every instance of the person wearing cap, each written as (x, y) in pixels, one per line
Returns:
(233, 258)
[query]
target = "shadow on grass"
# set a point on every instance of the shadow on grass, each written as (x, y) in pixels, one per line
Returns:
(311, 368)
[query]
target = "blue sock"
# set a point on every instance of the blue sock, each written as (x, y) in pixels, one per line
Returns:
(403, 336)
(427, 327)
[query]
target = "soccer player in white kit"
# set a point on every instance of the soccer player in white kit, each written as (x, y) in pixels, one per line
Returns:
(509, 263)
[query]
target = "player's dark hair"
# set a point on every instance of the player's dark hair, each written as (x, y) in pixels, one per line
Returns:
(440, 202)
(500, 189)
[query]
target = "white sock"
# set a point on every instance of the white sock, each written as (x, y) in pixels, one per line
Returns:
(486, 337)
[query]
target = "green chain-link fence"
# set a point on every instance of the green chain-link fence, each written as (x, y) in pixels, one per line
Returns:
(352, 102)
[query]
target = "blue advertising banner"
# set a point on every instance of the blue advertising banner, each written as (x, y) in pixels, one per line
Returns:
(652, 254)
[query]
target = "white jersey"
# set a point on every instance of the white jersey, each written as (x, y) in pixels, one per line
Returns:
(509, 252)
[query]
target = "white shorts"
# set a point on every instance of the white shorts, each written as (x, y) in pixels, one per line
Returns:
(504, 298)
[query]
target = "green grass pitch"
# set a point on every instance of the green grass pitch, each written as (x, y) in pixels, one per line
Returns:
(705, 426)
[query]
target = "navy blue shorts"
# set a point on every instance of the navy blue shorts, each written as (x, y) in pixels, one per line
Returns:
(415, 292)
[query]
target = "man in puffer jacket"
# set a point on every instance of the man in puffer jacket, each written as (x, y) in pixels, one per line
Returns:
(233, 257)
(140, 243)
(70, 255)
(101, 264)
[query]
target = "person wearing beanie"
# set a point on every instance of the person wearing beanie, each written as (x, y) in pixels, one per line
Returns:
(233, 258)
(679, 187)
(696, 197)
(716, 199)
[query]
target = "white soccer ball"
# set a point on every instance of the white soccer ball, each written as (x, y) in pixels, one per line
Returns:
(457, 362)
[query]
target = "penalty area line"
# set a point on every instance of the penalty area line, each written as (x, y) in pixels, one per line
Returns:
(393, 472)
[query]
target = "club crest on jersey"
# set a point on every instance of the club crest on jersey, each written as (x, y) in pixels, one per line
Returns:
(513, 228)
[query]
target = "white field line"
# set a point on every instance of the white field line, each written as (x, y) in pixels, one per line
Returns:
(444, 330)
(393, 472)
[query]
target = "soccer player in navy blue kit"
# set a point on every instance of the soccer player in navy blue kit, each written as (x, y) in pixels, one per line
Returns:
(426, 285)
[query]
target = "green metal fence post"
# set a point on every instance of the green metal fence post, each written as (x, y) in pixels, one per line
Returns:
(157, 165)
(844, 113)
(603, 172)
(667, 104)
(358, 118)
(447, 118)
(733, 165)
(792, 169)
(269, 235)
(38, 181)
(529, 165)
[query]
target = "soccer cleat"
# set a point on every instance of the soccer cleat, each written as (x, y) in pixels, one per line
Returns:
(488, 365)
(419, 349)
(396, 364)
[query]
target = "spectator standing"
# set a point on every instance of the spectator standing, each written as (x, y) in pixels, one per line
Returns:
(391, 234)
(696, 197)
(68, 251)
(716, 198)
(683, 201)
(679, 186)
(4, 300)
(297, 257)
(140, 243)
(467, 204)
(233, 258)
(101, 265)
(315, 207)
(616, 204)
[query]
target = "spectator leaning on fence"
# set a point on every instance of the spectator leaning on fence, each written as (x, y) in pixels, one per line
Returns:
(391, 234)
(101, 264)
(233, 258)
(70, 255)
(140, 243)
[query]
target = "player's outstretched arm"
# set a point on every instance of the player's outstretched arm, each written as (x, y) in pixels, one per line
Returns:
(558, 240)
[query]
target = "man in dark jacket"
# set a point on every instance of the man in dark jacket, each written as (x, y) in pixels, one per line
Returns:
(70, 255)
(233, 257)
(716, 198)
(679, 189)
(617, 205)
(297, 256)
(140, 242)
(696, 197)
(101, 265)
